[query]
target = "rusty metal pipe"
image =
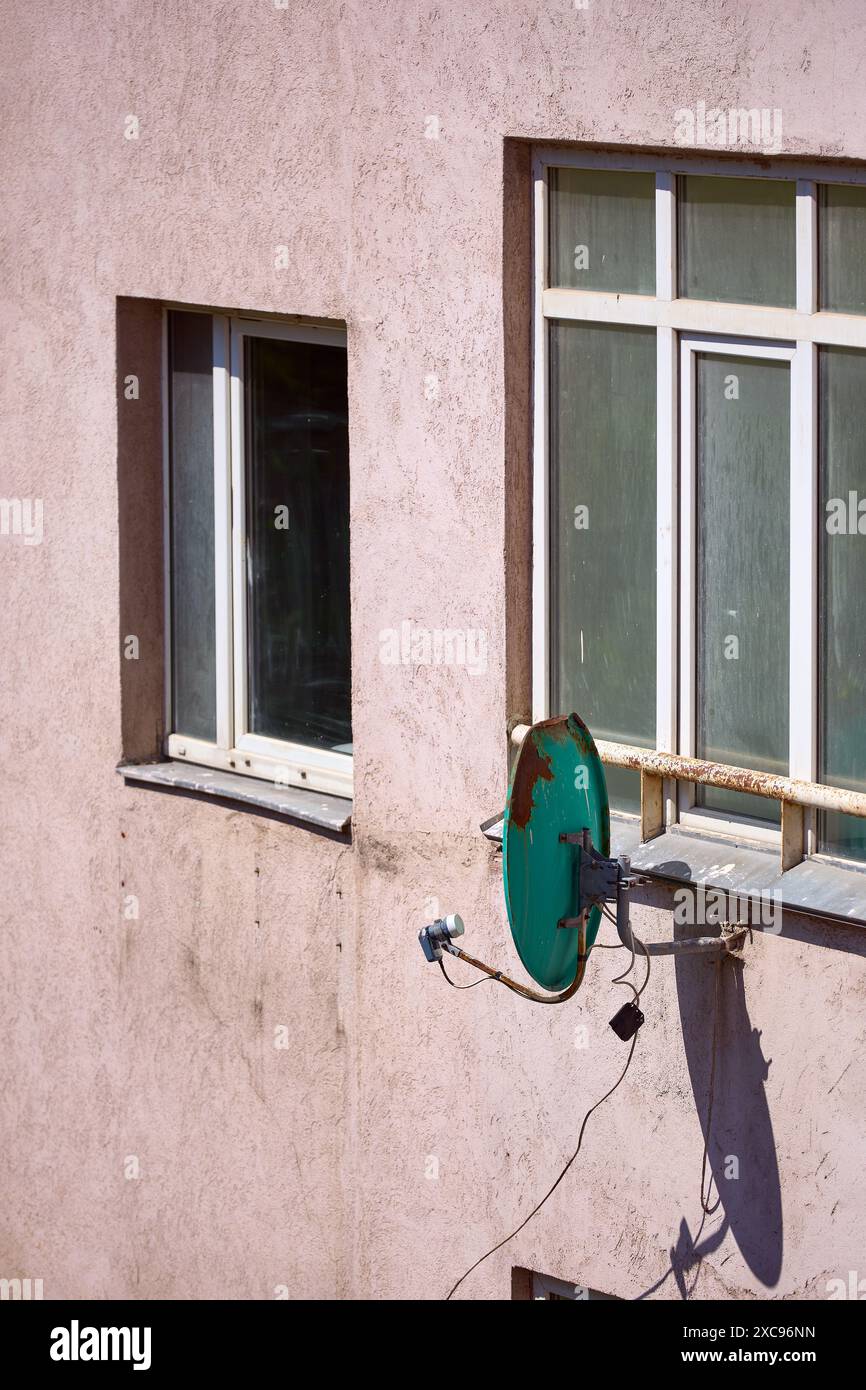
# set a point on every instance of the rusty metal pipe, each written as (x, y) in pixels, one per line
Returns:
(736, 779)
(524, 990)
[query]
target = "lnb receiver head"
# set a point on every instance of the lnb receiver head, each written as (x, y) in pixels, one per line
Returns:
(442, 930)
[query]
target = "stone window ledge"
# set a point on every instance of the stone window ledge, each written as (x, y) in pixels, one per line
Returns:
(817, 887)
(318, 809)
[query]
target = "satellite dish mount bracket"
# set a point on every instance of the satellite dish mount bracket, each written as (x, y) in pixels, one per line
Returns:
(601, 880)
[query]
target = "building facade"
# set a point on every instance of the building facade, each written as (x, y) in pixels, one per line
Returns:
(574, 421)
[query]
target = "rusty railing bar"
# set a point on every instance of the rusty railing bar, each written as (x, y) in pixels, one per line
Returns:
(737, 779)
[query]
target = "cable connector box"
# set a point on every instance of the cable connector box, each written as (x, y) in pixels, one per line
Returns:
(627, 1020)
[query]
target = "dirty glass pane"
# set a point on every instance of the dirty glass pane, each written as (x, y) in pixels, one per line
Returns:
(841, 238)
(603, 535)
(737, 240)
(602, 231)
(193, 663)
(842, 612)
(297, 466)
(743, 488)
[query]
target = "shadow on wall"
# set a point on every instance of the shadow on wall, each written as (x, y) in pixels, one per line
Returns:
(742, 1171)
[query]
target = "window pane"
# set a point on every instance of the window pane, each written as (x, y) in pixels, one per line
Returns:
(743, 488)
(737, 240)
(193, 662)
(842, 613)
(297, 460)
(602, 231)
(841, 237)
(603, 535)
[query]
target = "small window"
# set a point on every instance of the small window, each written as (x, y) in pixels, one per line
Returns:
(548, 1290)
(258, 547)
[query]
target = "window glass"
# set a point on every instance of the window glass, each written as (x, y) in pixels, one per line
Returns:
(602, 231)
(737, 240)
(193, 661)
(603, 535)
(841, 238)
(297, 465)
(742, 561)
(842, 610)
(558, 1290)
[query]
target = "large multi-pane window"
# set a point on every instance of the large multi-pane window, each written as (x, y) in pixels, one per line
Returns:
(700, 473)
(258, 548)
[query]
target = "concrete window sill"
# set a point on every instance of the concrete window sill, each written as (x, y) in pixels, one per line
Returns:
(817, 887)
(318, 809)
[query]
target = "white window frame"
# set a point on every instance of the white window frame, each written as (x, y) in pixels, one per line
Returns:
(236, 748)
(681, 324)
(690, 814)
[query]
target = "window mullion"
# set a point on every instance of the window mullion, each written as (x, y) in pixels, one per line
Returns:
(666, 482)
(804, 562)
(541, 481)
(666, 547)
(222, 531)
(666, 236)
(804, 501)
(807, 247)
(168, 656)
(687, 575)
(237, 674)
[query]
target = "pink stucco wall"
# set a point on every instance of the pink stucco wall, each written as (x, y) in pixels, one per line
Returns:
(306, 1167)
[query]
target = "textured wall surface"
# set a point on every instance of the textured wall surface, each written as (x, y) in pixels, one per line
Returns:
(153, 1038)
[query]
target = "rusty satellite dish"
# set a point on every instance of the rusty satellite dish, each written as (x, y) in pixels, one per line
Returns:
(558, 876)
(557, 788)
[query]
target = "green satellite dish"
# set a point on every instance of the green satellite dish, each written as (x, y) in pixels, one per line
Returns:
(557, 789)
(558, 874)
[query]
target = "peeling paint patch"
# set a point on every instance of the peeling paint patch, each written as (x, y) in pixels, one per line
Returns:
(531, 767)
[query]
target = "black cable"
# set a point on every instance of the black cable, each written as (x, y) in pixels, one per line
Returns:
(540, 1204)
(621, 979)
(637, 993)
(485, 979)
